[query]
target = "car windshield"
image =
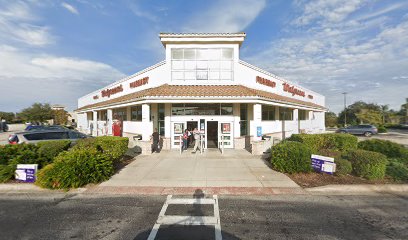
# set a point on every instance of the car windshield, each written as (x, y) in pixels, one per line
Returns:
(46, 136)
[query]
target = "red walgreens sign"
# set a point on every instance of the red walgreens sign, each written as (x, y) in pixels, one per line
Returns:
(265, 82)
(111, 91)
(293, 90)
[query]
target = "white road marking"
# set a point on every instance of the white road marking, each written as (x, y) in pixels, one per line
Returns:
(188, 220)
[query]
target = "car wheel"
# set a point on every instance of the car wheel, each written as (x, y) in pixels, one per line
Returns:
(368, 134)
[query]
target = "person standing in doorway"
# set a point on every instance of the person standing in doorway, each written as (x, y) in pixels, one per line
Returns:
(185, 140)
(91, 128)
(156, 139)
(196, 135)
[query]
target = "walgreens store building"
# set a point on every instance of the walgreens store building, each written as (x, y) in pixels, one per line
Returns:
(203, 84)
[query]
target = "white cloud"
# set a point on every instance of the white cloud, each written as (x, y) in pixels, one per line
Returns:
(47, 78)
(227, 16)
(16, 24)
(331, 11)
(364, 58)
(70, 8)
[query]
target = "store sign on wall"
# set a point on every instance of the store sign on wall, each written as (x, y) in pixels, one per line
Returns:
(111, 91)
(95, 97)
(265, 82)
(139, 82)
(293, 90)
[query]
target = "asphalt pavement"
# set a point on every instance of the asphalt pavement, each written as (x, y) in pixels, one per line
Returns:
(88, 216)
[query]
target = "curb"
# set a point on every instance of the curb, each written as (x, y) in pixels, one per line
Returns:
(261, 191)
(360, 189)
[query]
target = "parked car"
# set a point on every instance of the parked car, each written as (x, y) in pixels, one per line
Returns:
(364, 129)
(35, 136)
(42, 127)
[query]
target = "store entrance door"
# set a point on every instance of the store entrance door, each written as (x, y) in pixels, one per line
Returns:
(212, 134)
(190, 127)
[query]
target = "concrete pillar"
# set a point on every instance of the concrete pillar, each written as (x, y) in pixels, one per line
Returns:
(147, 125)
(296, 121)
(95, 123)
(153, 114)
(110, 121)
(167, 120)
(237, 116)
(257, 114)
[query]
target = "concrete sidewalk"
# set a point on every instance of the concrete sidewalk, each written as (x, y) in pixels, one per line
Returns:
(234, 168)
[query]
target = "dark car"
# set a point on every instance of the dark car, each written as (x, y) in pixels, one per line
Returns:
(363, 129)
(35, 136)
(41, 127)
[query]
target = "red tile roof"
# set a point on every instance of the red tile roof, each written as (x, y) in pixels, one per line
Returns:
(233, 91)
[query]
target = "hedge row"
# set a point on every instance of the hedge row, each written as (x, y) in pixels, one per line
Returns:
(334, 141)
(42, 154)
(388, 148)
(89, 161)
(291, 157)
(367, 164)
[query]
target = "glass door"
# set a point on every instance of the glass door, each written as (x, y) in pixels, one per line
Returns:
(225, 136)
(177, 129)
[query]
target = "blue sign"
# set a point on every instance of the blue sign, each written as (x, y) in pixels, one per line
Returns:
(323, 164)
(259, 131)
(26, 172)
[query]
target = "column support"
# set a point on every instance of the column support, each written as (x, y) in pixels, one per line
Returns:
(110, 121)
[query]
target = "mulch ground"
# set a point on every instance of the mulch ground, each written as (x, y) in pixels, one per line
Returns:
(308, 180)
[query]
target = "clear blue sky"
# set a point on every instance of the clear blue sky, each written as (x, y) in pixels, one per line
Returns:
(57, 51)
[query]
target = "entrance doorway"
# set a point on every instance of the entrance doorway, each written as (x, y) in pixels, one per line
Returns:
(212, 134)
(190, 127)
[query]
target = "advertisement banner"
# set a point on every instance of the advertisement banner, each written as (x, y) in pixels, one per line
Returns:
(26, 172)
(323, 164)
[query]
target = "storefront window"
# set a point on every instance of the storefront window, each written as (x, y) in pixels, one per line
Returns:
(136, 113)
(303, 115)
(201, 109)
(244, 119)
(268, 113)
(120, 113)
(103, 115)
(285, 113)
(202, 64)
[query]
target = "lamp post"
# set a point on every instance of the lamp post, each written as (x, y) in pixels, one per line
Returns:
(345, 109)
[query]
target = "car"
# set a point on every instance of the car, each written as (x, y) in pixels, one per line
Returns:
(362, 129)
(45, 135)
(42, 127)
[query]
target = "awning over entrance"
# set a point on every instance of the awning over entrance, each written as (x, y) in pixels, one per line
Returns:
(231, 91)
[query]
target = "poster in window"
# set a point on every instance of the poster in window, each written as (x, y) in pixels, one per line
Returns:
(178, 128)
(226, 128)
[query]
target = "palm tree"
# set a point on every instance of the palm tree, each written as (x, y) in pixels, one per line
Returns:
(384, 111)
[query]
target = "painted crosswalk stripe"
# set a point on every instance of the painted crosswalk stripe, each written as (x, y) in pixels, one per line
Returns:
(188, 220)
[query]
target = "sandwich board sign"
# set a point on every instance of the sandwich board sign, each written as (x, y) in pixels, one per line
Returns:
(26, 172)
(323, 164)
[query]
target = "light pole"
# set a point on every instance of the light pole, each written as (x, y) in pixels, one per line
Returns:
(345, 109)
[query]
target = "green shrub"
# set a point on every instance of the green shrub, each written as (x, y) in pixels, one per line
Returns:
(291, 157)
(24, 153)
(336, 154)
(381, 129)
(367, 164)
(7, 171)
(397, 170)
(334, 141)
(48, 150)
(76, 168)
(343, 167)
(388, 148)
(114, 147)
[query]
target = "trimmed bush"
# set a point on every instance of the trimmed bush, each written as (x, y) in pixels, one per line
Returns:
(76, 168)
(7, 171)
(48, 150)
(343, 167)
(114, 147)
(24, 153)
(388, 148)
(397, 170)
(334, 141)
(367, 164)
(330, 153)
(382, 129)
(291, 157)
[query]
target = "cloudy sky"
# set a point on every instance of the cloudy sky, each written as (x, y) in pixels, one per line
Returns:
(56, 51)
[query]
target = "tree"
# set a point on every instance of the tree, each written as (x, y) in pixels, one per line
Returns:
(354, 109)
(60, 116)
(331, 119)
(8, 116)
(38, 112)
(369, 116)
(384, 112)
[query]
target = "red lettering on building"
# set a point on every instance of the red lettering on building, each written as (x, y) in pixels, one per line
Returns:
(139, 82)
(265, 82)
(310, 96)
(111, 91)
(293, 90)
